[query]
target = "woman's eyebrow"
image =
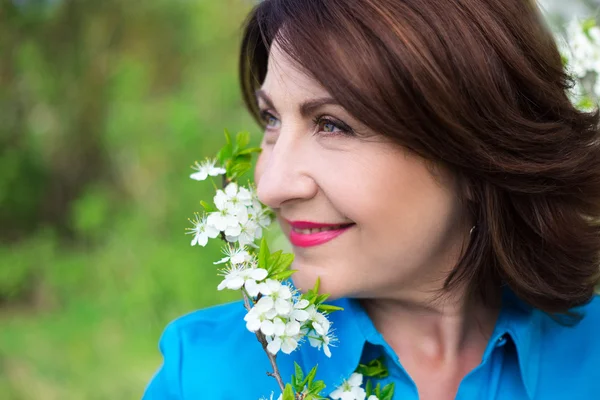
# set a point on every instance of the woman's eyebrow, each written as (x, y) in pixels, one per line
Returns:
(306, 108)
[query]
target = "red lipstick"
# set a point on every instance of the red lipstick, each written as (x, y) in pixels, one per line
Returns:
(302, 239)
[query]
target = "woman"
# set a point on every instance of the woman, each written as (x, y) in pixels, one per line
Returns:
(461, 187)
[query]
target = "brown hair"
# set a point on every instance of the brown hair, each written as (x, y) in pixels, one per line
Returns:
(479, 87)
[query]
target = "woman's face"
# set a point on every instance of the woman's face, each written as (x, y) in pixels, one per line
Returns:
(406, 232)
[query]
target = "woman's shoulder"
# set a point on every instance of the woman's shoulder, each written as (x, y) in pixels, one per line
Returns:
(210, 320)
(198, 350)
(565, 359)
(219, 330)
(580, 327)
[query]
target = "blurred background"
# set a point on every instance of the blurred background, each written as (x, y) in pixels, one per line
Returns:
(104, 105)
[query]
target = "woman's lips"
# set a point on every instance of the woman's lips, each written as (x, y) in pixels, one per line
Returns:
(312, 239)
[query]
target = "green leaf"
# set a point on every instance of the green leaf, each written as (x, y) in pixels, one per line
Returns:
(297, 378)
(274, 257)
(288, 393)
(283, 275)
(225, 154)
(378, 390)
(298, 372)
(226, 151)
(282, 263)
(241, 140)
(310, 377)
(315, 288)
(312, 294)
(316, 388)
(329, 308)
(374, 369)
(321, 298)
(208, 207)
(238, 170)
(242, 158)
(227, 136)
(285, 260)
(586, 103)
(387, 393)
(263, 254)
(587, 26)
(249, 150)
(369, 388)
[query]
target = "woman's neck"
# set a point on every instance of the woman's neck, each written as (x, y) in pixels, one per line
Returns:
(441, 330)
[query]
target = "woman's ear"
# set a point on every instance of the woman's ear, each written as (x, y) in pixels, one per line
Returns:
(465, 188)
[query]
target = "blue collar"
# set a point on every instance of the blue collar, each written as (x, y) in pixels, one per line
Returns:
(354, 329)
(523, 324)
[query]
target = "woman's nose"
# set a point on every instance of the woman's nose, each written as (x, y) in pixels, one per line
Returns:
(284, 173)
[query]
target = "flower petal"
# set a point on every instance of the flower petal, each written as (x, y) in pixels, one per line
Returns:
(292, 328)
(355, 379)
(259, 274)
(222, 260)
(274, 346)
(235, 283)
(231, 189)
(252, 287)
(267, 328)
(327, 351)
(279, 327)
(282, 306)
(253, 325)
(200, 175)
(302, 304)
(289, 345)
(264, 304)
(300, 315)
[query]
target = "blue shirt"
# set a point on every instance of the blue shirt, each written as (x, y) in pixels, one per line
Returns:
(209, 354)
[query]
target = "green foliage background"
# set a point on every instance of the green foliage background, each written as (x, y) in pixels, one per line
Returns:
(104, 105)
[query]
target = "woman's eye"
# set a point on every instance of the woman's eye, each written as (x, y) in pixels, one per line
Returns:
(329, 126)
(268, 118)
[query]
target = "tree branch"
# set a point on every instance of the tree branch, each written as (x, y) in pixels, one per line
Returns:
(263, 341)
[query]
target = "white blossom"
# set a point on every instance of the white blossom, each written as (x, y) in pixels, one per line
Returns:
(240, 215)
(319, 334)
(232, 211)
(280, 293)
(279, 398)
(262, 311)
(225, 221)
(298, 312)
(234, 198)
(260, 213)
(238, 275)
(584, 48)
(249, 232)
(318, 320)
(581, 49)
(201, 231)
(235, 255)
(323, 341)
(350, 389)
(206, 168)
(238, 195)
(287, 341)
